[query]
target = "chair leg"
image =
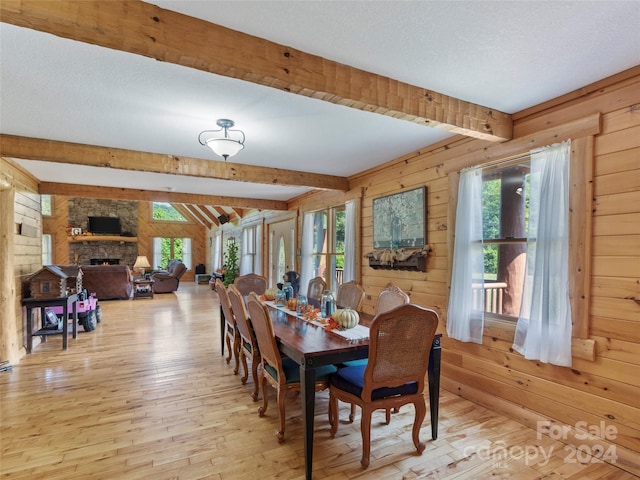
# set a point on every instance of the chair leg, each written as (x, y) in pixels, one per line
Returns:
(236, 354)
(352, 415)
(421, 411)
(365, 429)
(387, 415)
(229, 348)
(263, 385)
(243, 360)
(280, 396)
(254, 371)
(334, 415)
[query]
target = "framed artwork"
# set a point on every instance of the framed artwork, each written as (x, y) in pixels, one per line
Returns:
(399, 220)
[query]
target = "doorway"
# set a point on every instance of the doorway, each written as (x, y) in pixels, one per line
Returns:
(282, 242)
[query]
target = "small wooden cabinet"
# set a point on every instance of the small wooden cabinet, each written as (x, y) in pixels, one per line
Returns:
(142, 288)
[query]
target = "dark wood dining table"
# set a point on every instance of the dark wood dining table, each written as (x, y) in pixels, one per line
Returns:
(312, 346)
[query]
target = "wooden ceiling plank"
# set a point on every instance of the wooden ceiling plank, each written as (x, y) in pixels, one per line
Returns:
(26, 148)
(208, 214)
(197, 214)
(145, 29)
(72, 190)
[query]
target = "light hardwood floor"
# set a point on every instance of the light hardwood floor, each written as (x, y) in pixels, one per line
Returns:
(147, 395)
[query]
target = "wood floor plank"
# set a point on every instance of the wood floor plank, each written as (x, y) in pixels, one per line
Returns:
(147, 395)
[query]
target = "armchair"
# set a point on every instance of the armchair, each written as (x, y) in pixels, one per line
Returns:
(167, 282)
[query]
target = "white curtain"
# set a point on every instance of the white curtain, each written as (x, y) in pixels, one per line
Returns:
(257, 261)
(543, 331)
(350, 240)
(246, 254)
(217, 252)
(157, 253)
(465, 320)
(186, 252)
(306, 268)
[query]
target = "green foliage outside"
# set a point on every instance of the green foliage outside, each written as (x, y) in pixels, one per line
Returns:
(231, 263)
(491, 224)
(340, 230)
(171, 248)
(166, 212)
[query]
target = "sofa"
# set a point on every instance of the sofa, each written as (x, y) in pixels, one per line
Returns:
(167, 281)
(108, 282)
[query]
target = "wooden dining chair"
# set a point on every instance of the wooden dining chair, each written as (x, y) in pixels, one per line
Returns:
(399, 344)
(350, 295)
(248, 344)
(390, 298)
(251, 282)
(283, 373)
(316, 286)
(231, 332)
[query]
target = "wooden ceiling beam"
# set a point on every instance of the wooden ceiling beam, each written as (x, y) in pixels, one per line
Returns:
(87, 191)
(145, 29)
(210, 216)
(13, 146)
(197, 215)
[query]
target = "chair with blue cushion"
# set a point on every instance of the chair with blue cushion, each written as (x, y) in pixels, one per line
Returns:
(399, 345)
(281, 372)
(231, 333)
(248, 344)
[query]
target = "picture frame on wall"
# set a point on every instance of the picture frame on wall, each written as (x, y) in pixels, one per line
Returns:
(399, 220)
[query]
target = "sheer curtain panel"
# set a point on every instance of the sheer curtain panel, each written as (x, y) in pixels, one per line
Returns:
(306, 268)
(543, 331)
(463, 322)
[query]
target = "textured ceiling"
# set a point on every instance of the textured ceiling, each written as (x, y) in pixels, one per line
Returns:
(505, 55)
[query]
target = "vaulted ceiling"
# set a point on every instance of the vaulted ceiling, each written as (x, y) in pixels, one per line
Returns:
(107, 99)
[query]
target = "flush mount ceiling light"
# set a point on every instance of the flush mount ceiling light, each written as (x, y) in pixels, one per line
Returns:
(224, 141)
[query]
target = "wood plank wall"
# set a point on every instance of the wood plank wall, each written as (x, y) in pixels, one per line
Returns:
(27, 252)
(605, 390)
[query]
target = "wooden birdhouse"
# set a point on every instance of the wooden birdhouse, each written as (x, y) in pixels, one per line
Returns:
(74, 278)
(48, 282)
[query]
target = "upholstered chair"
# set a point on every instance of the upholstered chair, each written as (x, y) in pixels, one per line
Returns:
(350, 295)
(231, 333)
(282, 373)
(248, 344)
(399, 344)
(251, 282)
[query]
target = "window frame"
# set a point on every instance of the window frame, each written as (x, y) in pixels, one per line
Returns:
(330, 254)
(582, 132)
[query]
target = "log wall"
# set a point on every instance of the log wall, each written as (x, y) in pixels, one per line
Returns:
(606, 389)
(21, 252)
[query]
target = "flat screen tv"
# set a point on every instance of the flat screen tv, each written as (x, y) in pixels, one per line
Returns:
(106, 225)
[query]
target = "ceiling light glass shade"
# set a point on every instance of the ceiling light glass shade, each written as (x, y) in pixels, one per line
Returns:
(224, 141)
(225, 147)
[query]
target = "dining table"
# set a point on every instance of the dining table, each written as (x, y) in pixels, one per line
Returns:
(311, 346)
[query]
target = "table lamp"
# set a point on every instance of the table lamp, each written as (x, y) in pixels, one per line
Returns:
(142, 263)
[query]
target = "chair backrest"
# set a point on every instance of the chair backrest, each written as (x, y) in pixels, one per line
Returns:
(399, 345)
(316, 286)
(225, 303)
(178, 270)
(241, 316)
(251, 283)
(350, 295)
(390, 298)
(265, 335)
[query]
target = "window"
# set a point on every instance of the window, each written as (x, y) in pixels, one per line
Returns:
(505, 215)
(164, 249)
(328, 245)
(167, 212)
(512, 230)
(251, 258)
(47, 254)
(46, 206)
